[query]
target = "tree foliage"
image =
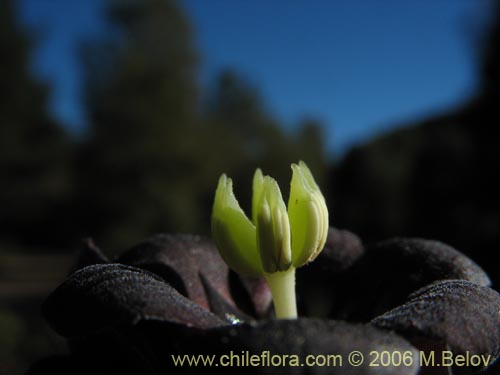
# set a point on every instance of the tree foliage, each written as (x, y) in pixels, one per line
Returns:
(153, 152)
(34, 151)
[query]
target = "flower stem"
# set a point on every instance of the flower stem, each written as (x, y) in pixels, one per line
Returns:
(282, 285)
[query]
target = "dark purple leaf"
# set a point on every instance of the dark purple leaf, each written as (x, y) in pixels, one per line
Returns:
(300, 337)
(431, 260)
(148, 347)
(89, 254)
(341, 251)
(106, 295)
(251, 294)
(388, 273)
(454, 314)
(220, 307)
(180, 260)
(189, 263)
(319, 282)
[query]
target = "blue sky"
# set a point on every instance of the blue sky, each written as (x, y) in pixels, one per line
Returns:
(360, 67)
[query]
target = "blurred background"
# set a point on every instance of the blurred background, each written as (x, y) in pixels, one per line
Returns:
(117, 118)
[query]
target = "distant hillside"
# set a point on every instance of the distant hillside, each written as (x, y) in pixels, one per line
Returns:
(433, 179)
(436, 178)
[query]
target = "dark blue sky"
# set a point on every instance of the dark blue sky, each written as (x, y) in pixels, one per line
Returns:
(359, 66)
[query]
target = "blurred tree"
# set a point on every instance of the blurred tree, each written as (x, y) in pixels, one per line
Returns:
(137, 165)
(435, 178)
(489, 55)
(244, 135)
(247, 130)
(152, 156)
(34, 162)
(311, 147)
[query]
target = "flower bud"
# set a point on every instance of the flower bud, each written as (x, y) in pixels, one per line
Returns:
(308, 216)
(275, 239)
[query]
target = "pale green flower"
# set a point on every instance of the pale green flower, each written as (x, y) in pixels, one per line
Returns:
(275, 239)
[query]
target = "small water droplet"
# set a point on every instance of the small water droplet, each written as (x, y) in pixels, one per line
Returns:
(233, 319)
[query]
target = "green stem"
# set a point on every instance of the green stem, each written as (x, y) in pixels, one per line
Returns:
(282, 286)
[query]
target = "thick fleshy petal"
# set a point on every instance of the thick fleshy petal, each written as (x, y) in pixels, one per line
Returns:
(292, 342)
(233, 233)
(390, 271)
(181, 260)
(282, 347)
(108, 295)
(89, 254)
(308, 216)
(320, 283)
(439, 260)
(251, 294)
(221, 307)
(342, 249)
(455, 314)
